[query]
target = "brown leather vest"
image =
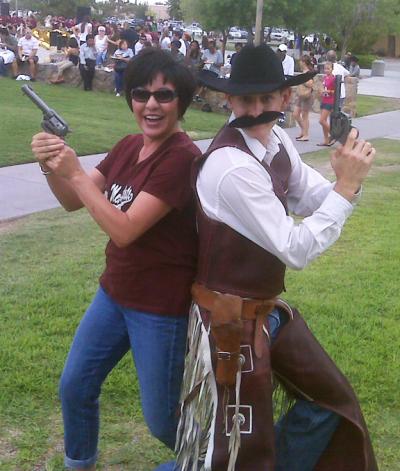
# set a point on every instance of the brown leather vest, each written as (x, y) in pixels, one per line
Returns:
(229, 262)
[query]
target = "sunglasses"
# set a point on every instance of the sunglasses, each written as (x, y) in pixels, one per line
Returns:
(164, 95)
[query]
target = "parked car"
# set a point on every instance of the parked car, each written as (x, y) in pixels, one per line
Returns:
(290, 36)
(237, 33)
(194, 30)
(135, 22)
(176, 25)
(277, 35)
(310, 38)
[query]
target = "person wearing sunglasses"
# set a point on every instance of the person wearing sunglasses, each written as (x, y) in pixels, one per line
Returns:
(140, 196)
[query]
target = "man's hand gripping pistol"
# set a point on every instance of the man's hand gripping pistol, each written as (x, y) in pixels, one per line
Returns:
(52, 122)
(340, 123)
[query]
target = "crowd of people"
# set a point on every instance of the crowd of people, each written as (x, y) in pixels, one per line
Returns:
(91, 45)
(307, 92)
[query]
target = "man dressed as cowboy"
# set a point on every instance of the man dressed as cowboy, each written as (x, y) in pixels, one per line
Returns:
(259, 392)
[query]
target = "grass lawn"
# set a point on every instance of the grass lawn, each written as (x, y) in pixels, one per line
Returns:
(367, 104)
(349, 297)
(98, 120)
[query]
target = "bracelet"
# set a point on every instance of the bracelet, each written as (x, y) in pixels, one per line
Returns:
(44, 172)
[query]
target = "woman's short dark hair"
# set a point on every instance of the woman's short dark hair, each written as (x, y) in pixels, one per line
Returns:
(144, 68)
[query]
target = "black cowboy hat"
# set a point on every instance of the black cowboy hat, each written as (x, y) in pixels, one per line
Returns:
(257, 69)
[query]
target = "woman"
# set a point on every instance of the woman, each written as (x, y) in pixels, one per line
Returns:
(113, 39)
(165, 41)
(193, 59)
(121, 56)
(101, 45)
(144, 296)
(85, 28)
(327, 100)
(304, 100)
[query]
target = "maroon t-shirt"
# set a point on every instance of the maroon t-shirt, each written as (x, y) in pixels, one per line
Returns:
(155, 272)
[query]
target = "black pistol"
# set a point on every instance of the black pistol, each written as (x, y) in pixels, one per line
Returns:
(52, 122)
(340, 123)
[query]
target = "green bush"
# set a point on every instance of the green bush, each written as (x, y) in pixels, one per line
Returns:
(365, 60)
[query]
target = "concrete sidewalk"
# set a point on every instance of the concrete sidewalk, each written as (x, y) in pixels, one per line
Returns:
(23, 190)
(387, 86)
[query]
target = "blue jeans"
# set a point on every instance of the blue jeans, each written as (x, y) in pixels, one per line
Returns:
(3, 69)
(119, 80)
(106, 332)
(303, 434)
(101, 57)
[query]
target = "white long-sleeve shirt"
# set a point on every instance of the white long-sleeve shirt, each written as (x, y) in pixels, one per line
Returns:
(288, 65)
(235, 189)
(338, 69)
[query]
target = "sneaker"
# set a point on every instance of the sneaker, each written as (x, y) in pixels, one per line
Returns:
(117, 94)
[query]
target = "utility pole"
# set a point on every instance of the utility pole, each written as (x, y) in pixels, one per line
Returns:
(259, 23)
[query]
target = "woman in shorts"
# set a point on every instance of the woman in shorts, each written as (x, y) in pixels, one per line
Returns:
(327, 101)
(304, 100)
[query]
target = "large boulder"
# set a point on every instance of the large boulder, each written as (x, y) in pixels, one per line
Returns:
(103, 81)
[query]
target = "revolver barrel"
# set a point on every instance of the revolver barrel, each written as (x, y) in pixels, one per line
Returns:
(36, 99)
(52, 122)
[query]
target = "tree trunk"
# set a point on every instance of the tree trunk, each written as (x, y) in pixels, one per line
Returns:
(224, 40)
(345, 43)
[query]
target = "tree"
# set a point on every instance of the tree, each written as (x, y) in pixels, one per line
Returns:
(220, 15)
(55, 7)
(174, 9)
(354, 22)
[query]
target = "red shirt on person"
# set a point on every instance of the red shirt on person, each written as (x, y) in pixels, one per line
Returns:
(155, 272)
(328, 83)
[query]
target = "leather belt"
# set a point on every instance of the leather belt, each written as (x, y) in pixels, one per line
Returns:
(251, 308)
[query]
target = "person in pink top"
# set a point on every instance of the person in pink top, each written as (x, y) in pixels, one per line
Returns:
(327, 100)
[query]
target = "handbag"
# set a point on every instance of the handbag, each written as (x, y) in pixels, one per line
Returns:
(303, 91)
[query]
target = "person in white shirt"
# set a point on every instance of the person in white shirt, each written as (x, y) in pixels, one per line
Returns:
(101, 44)
(287, 61)
(85, 28)
(212, 58)
(338, 69)
(165, 42)
(27, 52)
(140, 44)
(248, 182)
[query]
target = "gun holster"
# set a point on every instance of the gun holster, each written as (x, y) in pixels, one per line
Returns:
(227, 313)
(226, 329)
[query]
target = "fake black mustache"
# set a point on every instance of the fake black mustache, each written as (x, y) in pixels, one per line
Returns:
(249, 121)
